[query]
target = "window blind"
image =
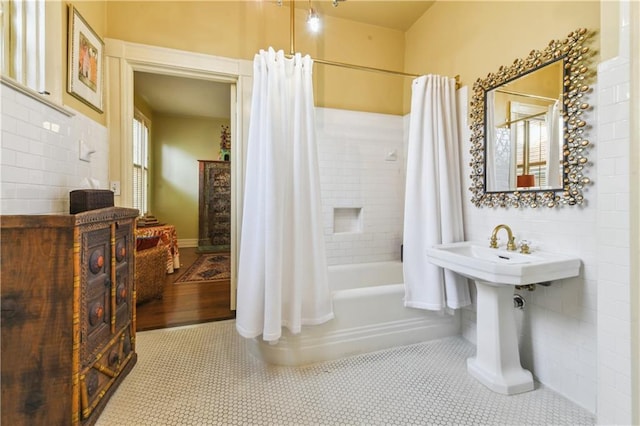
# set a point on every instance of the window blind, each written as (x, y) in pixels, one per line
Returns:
(140, 163)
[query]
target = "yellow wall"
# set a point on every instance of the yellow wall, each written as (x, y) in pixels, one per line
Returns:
(142, 106)
(473, 38)
(239, 29)
(610, 29)
(94, 13)
(546, 81)
(469, 38)
(178, 143)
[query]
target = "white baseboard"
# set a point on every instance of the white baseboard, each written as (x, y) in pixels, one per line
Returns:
(188, 242)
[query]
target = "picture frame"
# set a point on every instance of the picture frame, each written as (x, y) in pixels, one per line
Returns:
(85, 53)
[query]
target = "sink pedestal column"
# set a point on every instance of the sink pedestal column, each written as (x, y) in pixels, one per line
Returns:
(497, 360)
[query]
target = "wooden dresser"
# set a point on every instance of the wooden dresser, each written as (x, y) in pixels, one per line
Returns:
(214, 204)
(68, 314)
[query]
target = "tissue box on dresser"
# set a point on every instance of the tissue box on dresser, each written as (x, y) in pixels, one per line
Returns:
(81, 200)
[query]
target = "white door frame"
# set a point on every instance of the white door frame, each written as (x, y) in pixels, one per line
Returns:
(122, 60)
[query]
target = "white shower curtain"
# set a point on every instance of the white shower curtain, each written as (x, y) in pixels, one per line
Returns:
(282, 269)
(513, 172)
(554, 136)
(490, 142)
(433, 200)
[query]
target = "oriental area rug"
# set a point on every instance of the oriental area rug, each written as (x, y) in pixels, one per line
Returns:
(207, 267)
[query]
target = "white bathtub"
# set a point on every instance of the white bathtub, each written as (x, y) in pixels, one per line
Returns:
(369, 316)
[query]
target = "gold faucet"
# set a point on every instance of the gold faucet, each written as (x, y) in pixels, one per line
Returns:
(511, 244)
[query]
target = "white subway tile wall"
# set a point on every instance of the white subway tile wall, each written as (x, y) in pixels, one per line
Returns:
(558, 325)
(614, 294)
(40, 155)
(355, 173)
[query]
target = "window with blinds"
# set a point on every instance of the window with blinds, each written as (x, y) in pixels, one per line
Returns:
(23, 42)
(531, 156)
(140, 162)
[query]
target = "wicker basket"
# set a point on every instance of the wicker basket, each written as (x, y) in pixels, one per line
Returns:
(81, 200)
(151, 271)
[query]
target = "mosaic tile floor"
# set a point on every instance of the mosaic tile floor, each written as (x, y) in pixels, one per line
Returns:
(205, 375)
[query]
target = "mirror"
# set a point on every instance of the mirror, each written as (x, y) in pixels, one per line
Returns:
(523, 125)
(527, 142)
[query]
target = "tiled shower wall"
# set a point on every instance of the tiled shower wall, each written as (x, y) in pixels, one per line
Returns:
(40, 155)
(362, 184)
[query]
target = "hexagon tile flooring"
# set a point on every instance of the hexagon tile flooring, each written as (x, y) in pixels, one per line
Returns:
(205, 375)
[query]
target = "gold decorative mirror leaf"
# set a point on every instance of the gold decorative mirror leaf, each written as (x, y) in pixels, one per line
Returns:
(528, 144)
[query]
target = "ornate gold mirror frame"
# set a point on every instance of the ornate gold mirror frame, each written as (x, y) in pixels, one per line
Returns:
(574, 54)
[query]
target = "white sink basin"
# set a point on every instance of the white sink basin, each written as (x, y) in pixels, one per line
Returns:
(498, 266)
(495, 271)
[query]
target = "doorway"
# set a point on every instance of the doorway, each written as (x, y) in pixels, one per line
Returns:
(189, 122)
(123, 59)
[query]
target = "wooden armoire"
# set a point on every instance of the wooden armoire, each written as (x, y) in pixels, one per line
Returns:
(214, 204)
(68, 314)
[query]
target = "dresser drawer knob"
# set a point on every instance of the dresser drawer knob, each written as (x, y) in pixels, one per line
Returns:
(122, 293)
(114, 358)
(96, 262)
(96, 314)
(121, 250)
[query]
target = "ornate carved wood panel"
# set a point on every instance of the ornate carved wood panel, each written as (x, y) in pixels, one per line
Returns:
(214, 209)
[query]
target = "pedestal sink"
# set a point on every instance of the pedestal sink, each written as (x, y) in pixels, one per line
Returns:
(496, 273)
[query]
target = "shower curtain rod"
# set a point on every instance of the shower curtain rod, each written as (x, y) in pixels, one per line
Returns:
(525, 95)
(292, 51)
(528, 117)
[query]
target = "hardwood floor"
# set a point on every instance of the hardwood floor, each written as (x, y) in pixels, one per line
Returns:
(184, 304)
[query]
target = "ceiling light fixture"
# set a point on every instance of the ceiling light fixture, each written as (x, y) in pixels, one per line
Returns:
(313, 20)
(335, 3)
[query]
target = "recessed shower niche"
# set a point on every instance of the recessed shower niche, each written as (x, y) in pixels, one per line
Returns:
(347, 219)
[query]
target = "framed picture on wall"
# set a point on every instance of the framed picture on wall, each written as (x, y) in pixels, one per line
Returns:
(85, 55)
